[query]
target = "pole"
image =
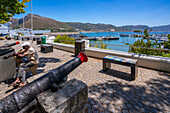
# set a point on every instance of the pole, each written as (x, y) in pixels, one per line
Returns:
(31, 22)
(23, 24)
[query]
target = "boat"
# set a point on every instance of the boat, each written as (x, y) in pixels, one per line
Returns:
(113, 38)
(123, 35)
(108, 38)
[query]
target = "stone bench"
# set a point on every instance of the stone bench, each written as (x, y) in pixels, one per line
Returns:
(46, 48)
(107, 60)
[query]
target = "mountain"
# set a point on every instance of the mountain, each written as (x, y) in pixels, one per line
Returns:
(165, 28)
(89, 26)
(40, 22)
(135, 27)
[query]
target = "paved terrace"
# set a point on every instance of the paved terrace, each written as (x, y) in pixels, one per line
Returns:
(110, 91)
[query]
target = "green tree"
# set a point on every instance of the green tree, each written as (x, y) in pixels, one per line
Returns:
(8, 8)
(137, 31)
(167, 43)
(146, 33)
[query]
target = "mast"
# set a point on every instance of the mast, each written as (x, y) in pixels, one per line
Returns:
(31, 22)
(23, 24)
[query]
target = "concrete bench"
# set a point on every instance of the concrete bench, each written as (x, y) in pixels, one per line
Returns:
(46, 48)
(107, 60)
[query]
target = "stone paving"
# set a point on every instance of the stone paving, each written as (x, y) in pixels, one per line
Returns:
(110, 91)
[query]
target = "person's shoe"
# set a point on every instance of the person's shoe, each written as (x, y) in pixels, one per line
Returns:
(17, 81)
(22, 84)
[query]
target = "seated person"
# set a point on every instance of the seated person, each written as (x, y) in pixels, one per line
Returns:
(29, 57)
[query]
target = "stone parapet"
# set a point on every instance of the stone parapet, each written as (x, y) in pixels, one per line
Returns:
(71, 98)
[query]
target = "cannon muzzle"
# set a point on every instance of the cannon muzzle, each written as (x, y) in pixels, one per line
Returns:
(22, 97)
(9, 45)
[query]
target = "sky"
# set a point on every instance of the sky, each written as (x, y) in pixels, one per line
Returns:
(115, 12)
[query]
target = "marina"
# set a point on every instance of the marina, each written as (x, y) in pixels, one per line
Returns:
(111, 44)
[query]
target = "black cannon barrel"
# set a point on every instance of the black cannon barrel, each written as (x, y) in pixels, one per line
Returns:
(9, 45)
(22, 97)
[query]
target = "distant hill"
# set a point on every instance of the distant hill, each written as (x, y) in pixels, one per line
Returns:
(41, 23)
(89, 26)
(165, 28)
(134, 27)
(48, 23)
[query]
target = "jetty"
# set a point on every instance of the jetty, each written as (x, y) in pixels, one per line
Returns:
(110, 38)
(123, 35)
(102, 38)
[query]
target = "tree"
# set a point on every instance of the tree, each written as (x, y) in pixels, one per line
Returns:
(8, 8)
(167, 43)
(137, 31)
(146, 34)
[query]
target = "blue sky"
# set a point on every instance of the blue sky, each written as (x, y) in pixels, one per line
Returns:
(116, 12)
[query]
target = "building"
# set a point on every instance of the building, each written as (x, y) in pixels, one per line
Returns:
(5, 28)
(112, 30)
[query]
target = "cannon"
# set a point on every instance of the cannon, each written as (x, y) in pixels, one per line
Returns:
(9, 45)
(22, 97)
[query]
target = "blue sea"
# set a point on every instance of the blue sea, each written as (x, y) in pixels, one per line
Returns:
(130, 40)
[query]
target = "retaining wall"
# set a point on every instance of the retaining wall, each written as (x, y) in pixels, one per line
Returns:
(153, 62)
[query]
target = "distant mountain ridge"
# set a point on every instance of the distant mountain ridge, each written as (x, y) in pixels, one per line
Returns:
(48, 23)
(38, 22)
(135, 27)
(41, 23)
(165, 28)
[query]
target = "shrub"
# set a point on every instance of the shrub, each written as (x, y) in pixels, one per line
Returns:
(146, 49)
(64, 39)
(99, 44)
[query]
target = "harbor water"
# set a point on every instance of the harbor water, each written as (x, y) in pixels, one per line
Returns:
(121, 40)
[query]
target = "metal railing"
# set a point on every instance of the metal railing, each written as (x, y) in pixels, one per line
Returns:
(147, 48)
(129, 47)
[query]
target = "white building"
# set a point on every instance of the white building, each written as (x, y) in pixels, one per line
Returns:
(112, 30)
(5, 28)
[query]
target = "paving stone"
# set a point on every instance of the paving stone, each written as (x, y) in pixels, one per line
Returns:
(125, 111)
(153, 110)
(149, 92)
(129, 106)
(112, 109)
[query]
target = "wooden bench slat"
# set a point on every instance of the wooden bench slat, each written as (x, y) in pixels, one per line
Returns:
(126, 60)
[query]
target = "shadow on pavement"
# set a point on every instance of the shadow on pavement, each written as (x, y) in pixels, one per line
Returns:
(152, 95)
(118, 74)
(44, 60)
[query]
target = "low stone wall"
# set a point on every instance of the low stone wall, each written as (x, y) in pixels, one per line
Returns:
(7, 67)
(30, 37)
(153, 62)
(71, 98)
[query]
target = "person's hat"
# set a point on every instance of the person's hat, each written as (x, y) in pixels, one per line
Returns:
(25, 44)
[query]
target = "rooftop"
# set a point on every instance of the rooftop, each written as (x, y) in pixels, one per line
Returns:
(110, 91)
